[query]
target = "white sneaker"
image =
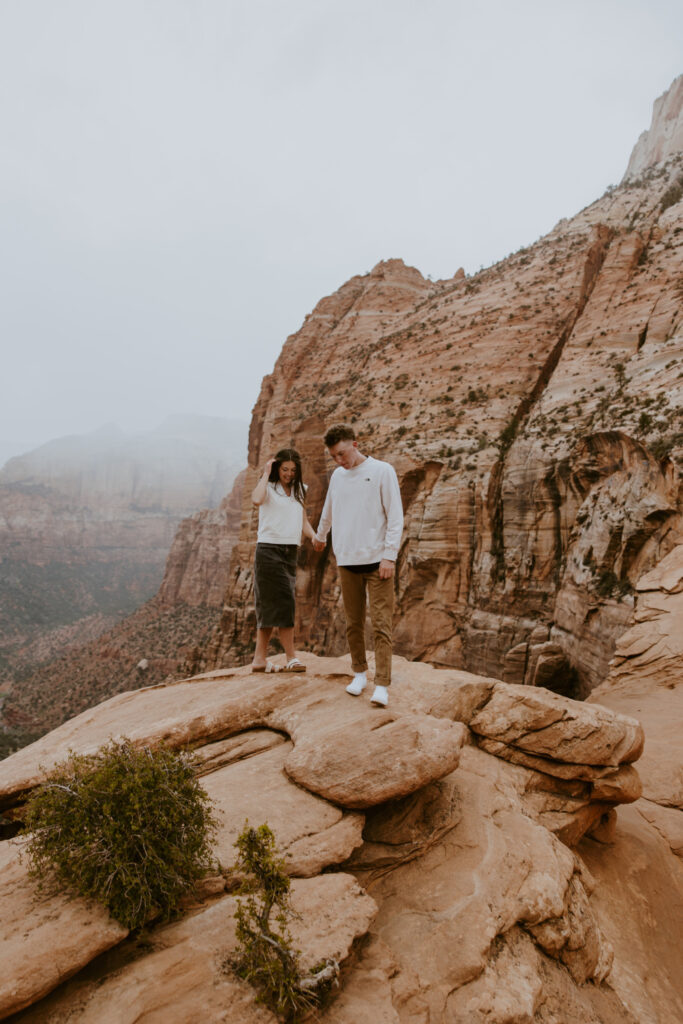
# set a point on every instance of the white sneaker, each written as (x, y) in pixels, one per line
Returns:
(380, 696)
(359, 683)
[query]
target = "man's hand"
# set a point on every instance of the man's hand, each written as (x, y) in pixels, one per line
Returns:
(318, 545)
(386, 569)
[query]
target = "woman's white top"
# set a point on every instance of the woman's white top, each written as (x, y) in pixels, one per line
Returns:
(280, 517)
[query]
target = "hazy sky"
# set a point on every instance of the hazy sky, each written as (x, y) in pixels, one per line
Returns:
(182, 180)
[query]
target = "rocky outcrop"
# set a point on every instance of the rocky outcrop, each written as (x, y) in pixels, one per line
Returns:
(428, 863)
(646, 680)
(664, 138)
(532, 413)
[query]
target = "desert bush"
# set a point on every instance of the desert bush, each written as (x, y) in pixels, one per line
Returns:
(130, 827)
(672, 194)
(265, 956)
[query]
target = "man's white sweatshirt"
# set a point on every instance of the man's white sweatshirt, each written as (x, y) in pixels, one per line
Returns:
(363, 507)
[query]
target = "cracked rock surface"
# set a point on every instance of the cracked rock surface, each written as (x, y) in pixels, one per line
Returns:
(440, 872)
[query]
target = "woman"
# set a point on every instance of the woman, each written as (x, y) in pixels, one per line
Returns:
(280, 495)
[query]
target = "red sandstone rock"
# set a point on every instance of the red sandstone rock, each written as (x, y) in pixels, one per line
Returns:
(526, 410)
(480, 904)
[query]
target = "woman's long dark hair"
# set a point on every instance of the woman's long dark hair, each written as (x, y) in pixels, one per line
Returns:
(289, 455)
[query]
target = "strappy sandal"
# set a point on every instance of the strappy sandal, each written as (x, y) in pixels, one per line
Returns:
(294, 666)
(272, 667)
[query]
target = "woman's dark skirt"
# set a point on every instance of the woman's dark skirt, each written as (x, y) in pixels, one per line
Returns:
(274, 579)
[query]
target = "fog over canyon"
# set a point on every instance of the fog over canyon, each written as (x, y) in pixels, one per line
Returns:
(503, 843)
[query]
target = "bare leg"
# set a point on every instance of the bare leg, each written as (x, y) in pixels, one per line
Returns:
(286, 635)
(261, 649)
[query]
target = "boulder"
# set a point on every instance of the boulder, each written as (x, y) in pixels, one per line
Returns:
(552, 726)
(384, 758)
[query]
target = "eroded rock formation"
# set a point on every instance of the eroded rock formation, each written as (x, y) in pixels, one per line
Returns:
(533, 414)
(664, 137)
(433, 847)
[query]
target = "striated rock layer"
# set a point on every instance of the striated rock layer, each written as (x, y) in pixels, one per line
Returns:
(665, 135)
(443, 874)
(533, 414)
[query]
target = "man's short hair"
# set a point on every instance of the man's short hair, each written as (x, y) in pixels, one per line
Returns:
(339, 432)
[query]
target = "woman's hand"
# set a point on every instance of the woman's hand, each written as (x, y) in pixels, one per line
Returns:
(308, 530)
(258, 495)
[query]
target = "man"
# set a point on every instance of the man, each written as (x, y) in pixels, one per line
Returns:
(363, 507)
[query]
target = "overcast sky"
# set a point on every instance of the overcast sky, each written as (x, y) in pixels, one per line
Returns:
(182, 180)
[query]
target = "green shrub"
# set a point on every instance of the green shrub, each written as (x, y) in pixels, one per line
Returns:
(673, 194)
(129, 827)
(265, 956)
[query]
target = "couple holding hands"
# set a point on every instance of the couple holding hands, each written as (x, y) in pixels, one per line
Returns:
(363, 509)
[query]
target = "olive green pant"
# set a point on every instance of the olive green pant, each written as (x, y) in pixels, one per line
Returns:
(355, 586)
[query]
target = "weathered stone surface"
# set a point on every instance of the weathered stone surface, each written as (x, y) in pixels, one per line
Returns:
(637, 900)
(552, 726)
(510, 872)
(211, 756)
(401, 830)
(308, 856)
(646, 678)
(311, 833)
(482, 909)
(668, 821)
(652, 648)
(665, 134)
(184, 713)
(182, 979)
(386, 758)
(548, 765)
(524, 986)
(43, 940)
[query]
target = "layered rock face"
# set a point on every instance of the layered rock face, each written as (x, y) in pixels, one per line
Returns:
(433, 847)
(665, 135)
(533, 415)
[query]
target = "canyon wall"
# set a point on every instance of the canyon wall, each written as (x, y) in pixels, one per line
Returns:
(147, 647)
(533, 414)
(86, 524)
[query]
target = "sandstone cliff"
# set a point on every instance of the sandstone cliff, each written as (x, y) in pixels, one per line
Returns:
(665, 135)
(533, 414)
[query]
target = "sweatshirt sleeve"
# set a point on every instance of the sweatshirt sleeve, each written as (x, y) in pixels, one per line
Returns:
(325, 521)
(393, 508)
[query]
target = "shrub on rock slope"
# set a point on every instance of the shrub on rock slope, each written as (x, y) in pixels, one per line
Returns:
(129, 827)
